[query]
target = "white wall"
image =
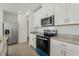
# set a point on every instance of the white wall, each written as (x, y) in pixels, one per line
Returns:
(10, 17)
(22, 33)
(1, 22)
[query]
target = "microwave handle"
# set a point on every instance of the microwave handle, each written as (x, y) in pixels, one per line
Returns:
(53, 19)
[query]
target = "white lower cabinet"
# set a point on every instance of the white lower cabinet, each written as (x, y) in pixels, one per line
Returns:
(71, 53)
(33, 40)
(55, 49)
(59, 48)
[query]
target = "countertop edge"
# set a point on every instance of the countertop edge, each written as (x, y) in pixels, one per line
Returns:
(3, 43)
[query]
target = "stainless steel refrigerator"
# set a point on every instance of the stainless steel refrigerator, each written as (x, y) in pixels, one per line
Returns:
(11, 31)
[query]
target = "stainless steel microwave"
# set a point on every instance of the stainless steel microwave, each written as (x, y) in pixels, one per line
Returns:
(47, 21)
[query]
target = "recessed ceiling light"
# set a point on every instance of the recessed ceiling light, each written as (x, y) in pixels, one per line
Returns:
(20, 11)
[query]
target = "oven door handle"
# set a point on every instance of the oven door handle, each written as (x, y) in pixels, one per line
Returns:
(42, 38)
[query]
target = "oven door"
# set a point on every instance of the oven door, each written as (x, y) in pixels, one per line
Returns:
(42, 45)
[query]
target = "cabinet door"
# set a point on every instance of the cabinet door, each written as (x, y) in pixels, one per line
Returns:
(71, 53)
(48, 9)
(73, 13)
(37, 17)
(72, 50)
(55, 48)
(34, 41)
(60, 13)
(31, 39)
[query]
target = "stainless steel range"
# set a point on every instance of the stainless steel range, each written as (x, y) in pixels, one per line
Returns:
(43, 42)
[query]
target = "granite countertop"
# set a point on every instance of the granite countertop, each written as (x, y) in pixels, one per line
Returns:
(33, 32)
(37, 33)
(71, 39)
(3, 41)
(68, 38)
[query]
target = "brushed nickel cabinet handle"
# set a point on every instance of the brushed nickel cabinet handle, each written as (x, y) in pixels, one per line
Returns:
(65, 20)
(64, 53)
(61, 52)
(68, 20)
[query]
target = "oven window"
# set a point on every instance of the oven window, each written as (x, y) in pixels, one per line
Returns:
(43, 45)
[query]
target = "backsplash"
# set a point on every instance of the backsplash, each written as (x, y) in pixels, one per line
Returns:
(41, 29)
(69, 29)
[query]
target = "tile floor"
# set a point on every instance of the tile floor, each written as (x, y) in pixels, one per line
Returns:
(21, 49)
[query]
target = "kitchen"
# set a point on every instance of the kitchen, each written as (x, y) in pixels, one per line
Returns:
(53, 28)
(66, 24)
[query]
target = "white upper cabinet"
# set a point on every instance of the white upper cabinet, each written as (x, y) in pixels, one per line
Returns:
(60, 13)
(45, 11)
(37, 18)
(48, 9)
(60, 48)
(73, 13)
(66, 13)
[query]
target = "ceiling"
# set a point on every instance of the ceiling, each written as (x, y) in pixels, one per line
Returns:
(15, 7)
